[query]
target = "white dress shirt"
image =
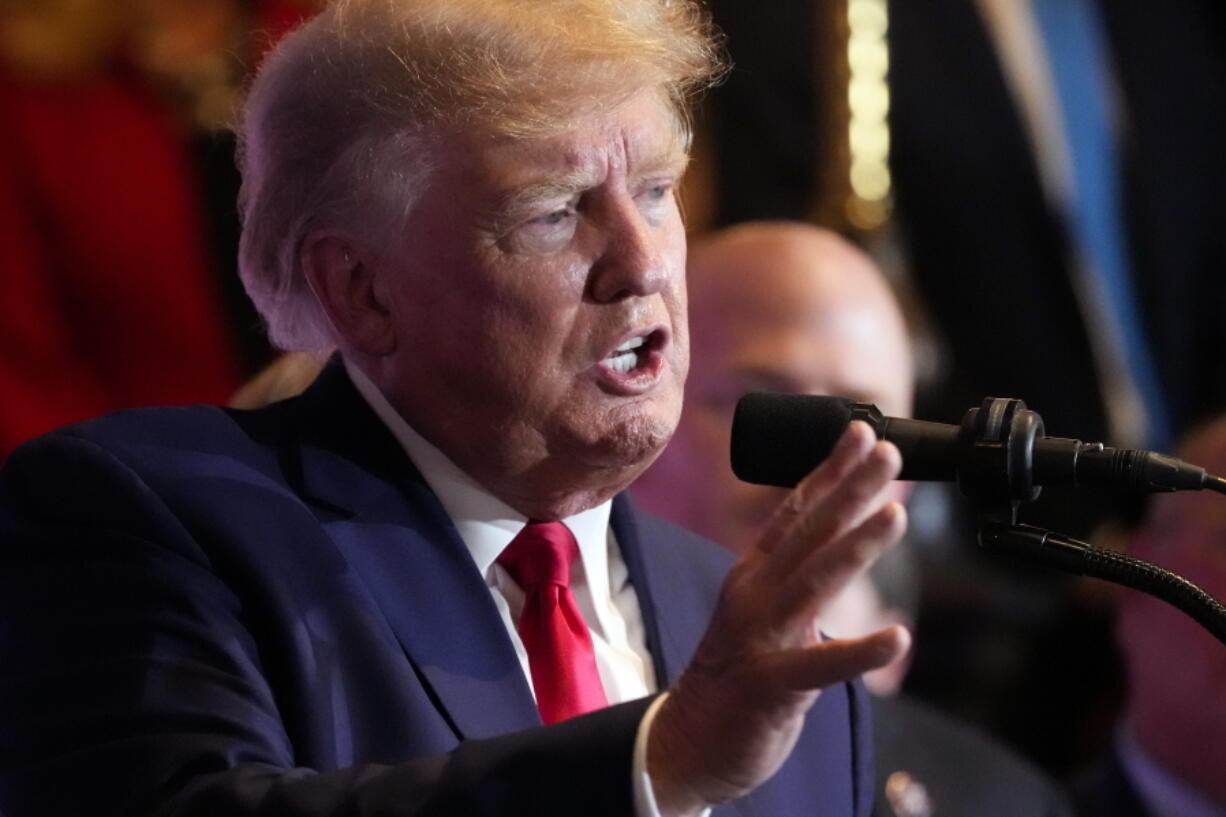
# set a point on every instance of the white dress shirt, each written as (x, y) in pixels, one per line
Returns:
(600, 582)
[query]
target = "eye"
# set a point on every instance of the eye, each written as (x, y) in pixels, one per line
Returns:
(555, 218)
(545, 233)
(656, 192)
(655, 200)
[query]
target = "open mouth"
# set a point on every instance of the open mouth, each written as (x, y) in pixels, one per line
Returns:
(634, 353)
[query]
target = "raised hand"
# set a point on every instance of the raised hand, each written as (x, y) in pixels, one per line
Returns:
(735, 713)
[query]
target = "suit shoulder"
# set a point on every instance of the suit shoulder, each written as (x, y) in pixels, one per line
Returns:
(81, 470)
(182, 427)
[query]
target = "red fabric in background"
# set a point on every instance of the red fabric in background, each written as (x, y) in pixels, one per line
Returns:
(276, 18)
(107, 299)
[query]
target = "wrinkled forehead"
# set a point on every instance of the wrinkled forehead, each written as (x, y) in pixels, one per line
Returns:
(578, 118)
(636, 136)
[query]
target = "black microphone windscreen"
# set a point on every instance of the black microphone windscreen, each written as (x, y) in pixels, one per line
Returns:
(778, 438)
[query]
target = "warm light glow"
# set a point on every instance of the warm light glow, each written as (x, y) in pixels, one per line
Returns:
(869, 141)
(868, 58)
(870, 180)
(868, 100)
(867, 18)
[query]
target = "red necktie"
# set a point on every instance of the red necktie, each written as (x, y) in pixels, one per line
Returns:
(559, 645)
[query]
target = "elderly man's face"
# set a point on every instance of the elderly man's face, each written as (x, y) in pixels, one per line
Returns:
(539, 306)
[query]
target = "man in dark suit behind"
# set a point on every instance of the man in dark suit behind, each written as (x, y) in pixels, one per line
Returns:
(306, 610)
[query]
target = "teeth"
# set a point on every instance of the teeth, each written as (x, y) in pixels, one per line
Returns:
(622, 363)
(624, 358)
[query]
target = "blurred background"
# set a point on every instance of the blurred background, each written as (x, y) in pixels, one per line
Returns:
(1041, 181)
(117, 204)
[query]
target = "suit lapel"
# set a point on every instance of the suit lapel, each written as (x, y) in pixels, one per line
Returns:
(672, 626)
(392, 530)
(673, 576)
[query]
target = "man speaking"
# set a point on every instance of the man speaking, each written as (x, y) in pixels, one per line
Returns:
(417, 588)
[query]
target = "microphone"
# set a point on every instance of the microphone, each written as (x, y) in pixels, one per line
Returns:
(999, 452)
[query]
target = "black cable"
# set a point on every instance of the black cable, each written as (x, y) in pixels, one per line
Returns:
(1215, 484)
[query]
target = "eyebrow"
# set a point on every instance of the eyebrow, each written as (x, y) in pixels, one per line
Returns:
(672, 161)
(572, 182)
(560, 186)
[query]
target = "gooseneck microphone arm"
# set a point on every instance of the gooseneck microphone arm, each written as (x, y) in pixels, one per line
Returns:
(1071, 555)
(1000, 457)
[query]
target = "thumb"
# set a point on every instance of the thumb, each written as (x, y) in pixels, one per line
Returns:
(830, 662)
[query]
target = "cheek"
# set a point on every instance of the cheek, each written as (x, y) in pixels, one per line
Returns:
(679, 318)
(525, 311)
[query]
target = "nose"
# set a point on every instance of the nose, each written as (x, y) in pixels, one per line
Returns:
(635, 258)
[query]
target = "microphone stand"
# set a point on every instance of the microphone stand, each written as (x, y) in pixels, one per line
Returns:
(1000, 436)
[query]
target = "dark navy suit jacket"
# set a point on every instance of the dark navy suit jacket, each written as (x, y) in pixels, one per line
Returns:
(210, 612)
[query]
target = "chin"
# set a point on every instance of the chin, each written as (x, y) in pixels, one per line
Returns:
(629, 443)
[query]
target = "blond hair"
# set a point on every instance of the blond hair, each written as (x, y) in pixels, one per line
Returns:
(338, 122)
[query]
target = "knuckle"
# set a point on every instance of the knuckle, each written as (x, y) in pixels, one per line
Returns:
(794, 503)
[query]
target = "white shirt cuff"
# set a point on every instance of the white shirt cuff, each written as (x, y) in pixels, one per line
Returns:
(644, 794)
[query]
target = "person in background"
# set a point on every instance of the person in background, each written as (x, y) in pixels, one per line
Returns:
(1166, 760)
(784, 306)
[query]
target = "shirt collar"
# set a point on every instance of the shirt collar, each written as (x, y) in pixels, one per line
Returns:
(485, 523)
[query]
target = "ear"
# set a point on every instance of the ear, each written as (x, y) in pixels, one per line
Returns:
(342, 275)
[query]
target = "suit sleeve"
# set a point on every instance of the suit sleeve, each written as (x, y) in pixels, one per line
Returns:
(131, 682)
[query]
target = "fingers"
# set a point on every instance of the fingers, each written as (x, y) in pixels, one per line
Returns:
(735, 712)
(835, 524)
(831, 502)
(802, 593)
(830, 662)
(849, 452)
